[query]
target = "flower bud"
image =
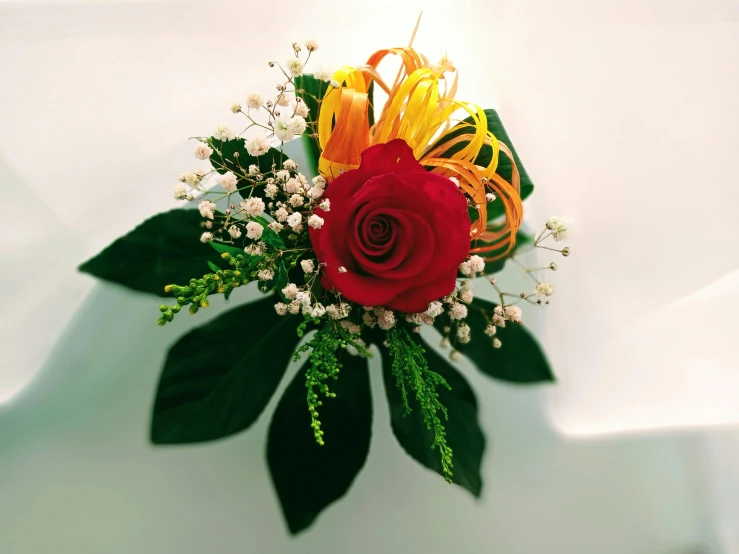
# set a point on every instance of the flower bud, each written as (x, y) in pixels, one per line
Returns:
(566, 251)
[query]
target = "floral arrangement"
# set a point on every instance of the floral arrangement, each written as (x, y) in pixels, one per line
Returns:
(380, 236)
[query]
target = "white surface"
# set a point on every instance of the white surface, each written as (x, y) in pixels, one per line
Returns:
(626, 116)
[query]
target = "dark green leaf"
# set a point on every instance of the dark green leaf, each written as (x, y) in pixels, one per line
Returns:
(268, 235)
(213, 267)
(309, 477)
(219, 377)
(231, 155)
(311, 90)
(281, 278)
(520, 359)
(463, 432)
(371, 109)
(505, 168)
(163, 250)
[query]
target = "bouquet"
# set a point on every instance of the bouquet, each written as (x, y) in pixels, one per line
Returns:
(389, 226)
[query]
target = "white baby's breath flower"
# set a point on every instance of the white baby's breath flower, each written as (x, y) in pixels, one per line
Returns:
(499, 317)
(234, 231)
(292, 185)
(318, 310)
(477, 264)
(254, 230)
(307, 266)
(254, 101)
(295, 66)
(266, 275)
(202, 151)
(281, 129)
(254, 250)
(294, 307)
(206, 237)
(271, 190)
(294, 220)
(281, 308)
(282, 100)
(334, 83)
(513, 313)
(466, 296)
(281, 214)
(180, 191)
(296, 200)
(316, 222)
(228, 181)
(303, 297)
(489, 197)
(464, 268)
(206, 208)
(316, 192)
(301, 109)
(290, 291)
(319, 181)
(253, 206)
(457, 311)
(463, 333)
(323, 72)
(253, 169)
(435, 309)
(325, 205)
(257, 145)
(497, 343)
(224, 132)
(490, 330)
(385, 318)
(311, 45)
(369, 319)
(235, 107)
(192, 178)
(290, 165)
(544, 289)
(297, 125)
(559, 227)
(275, 226)
(282, 175)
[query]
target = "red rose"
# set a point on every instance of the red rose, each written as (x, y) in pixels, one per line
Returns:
(400, 232)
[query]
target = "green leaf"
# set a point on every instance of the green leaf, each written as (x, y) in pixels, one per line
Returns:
(270, 237)
(281, 278)
(231, 155)
(311, 90)
(505, 168)
(213, 267)
(221, 248)
(163, 250)
(520, 359)
(463, 432)
(309, 477)
(218, 378)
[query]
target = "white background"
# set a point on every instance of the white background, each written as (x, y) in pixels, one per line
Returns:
(626, 116)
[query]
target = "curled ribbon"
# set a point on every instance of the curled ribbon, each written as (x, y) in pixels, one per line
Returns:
(420, 109)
